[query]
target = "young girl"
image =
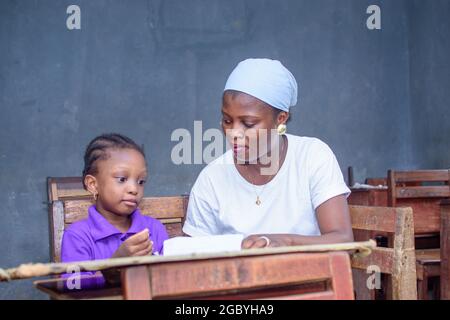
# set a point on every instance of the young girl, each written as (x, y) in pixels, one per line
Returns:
(115, 172)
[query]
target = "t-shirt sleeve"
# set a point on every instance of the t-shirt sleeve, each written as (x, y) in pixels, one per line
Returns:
(326, 180)
(200, 217)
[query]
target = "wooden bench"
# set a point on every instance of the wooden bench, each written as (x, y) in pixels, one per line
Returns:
(397, 261)
(423, 191)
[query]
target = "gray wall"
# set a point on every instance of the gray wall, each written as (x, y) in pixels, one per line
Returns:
(430, 82)
(145, 68)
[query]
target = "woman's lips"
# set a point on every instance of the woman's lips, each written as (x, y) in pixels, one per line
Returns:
(239, 148)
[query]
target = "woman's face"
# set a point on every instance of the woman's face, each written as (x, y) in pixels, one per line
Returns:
(249, 124)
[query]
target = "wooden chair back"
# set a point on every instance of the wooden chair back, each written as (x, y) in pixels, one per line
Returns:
(398, 261)
(422, 190)
(66, 188)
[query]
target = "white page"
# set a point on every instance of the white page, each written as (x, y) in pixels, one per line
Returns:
(203, 244)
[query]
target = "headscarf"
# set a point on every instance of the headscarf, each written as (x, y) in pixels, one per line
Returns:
(265, 79)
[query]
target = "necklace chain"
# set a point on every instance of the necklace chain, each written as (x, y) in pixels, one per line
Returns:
(258, 200)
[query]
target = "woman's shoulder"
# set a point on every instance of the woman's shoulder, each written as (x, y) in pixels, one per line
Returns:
(304, 144)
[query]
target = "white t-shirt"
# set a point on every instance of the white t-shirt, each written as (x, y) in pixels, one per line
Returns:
(223, 202)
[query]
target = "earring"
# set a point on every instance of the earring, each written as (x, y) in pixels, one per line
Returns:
(281, 129)
(95, 196)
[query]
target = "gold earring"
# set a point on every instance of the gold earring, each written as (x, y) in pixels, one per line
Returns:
(281, 129)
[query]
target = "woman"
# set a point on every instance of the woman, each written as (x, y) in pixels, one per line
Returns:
(276, 189)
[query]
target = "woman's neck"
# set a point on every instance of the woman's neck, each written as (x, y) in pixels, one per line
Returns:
(262, 172)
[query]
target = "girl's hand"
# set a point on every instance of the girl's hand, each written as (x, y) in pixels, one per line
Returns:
(264, 241)
(136, 245)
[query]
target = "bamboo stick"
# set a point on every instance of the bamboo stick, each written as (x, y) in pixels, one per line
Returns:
(45, 269)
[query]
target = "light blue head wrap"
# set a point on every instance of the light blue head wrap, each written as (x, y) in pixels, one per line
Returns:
(265, 79)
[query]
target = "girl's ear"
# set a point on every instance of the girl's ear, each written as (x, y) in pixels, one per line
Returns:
(282, 117)
(91, 184)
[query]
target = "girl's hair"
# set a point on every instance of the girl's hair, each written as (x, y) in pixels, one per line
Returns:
(97, 149)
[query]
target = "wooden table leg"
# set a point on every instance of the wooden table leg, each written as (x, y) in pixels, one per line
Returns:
(136, 283)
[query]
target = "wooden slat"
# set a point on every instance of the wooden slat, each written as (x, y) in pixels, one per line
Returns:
(421, 175)
(426, 214)
(380, 257)
(56, 230)
(73, 193)
(381, 219)
(445, 250)
(404, 286)
(156, 207)
(422, 192)
(341, 277)
(163, 207)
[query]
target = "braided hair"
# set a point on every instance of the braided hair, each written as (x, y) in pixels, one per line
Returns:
(97, 149)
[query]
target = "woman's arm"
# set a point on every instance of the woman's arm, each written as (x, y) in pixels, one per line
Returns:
(334, 222)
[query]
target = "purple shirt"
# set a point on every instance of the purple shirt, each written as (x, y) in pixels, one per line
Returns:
(95, 238)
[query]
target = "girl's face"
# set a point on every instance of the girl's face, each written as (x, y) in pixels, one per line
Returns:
(249, 125)
(119, 181)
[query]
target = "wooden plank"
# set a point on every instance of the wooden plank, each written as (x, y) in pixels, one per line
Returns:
(217, 276)
(422, 192)
(422, 175)
(156, 207)
(445, 250)
(368, 197)
(404, 278)
(362, 291)
(74, 194)
(286, 276)
(426, 213)
(56, 230)
(137, 280)
(380, 257)
(373, 218)
(341, 277)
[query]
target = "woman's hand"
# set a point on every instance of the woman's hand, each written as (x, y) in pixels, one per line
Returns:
(136, 245)
(265, 240)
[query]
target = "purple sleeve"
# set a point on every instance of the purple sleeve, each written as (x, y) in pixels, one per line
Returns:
(75, 248)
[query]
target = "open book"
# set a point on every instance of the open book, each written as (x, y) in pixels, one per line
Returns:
(203, 244)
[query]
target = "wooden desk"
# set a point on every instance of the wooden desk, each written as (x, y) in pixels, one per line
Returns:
(290, 275)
